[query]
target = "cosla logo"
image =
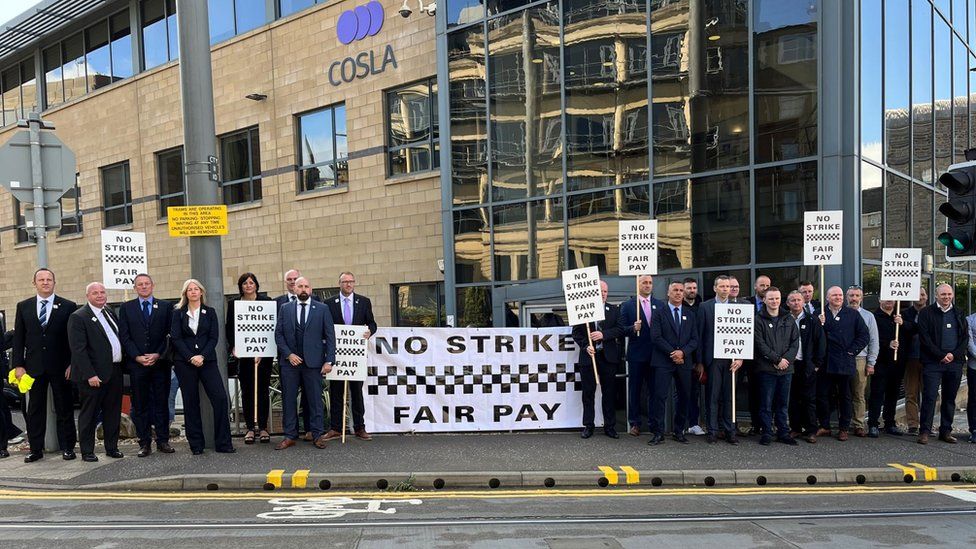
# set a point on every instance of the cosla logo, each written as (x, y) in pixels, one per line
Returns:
(360, 22)
(354, 25)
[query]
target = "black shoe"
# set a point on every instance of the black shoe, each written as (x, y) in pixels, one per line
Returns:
(732, 439)
(972, 437)
(710, 438)
(655, 440)
(873, 432)
(751, 432)
(765, 439)
(164, 447)
(197, 452)
(680, 437)
(913, 431)
(33, 456)
(894, 431)
(789, 441)
(230, 450)
(587, 432)
(88, 457)
(68, 455)
(144, 451)
(611, 432)
(114, 454)
(4, 453)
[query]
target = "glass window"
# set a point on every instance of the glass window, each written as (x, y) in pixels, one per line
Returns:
(788, 279)
(701, 222)
(288, 7)
(221, 14)
(98, 60)
(419, 305)
(460, 12)
(54, 87)
(897, 212)
(249, 14)
(960, 103)
(871, 283)
(75, 77)
(172, 184)
(121, 45)
(71, 210)
(172, 30)
(469, 136)
(783, 193)
(922, 118)
(472, 259)
(785, 79)
(412, 128)
(116, 195)
(11, 94)
(606, 93)
(322, 151)
(473, 306)
(872, 203)
(959, 16)
(922, 222)
(159, 42)
(240, 166)
(524, 102)
(700, 85)
(28, 85)
(896, 86)
(21, 213)
(871, 79)
(593, 225)
(972, 100)
(528, 240)
(943, 95)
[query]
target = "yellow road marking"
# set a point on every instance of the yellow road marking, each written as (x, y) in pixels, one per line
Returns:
(931, 473)
(905, 470)
(299, 478)
(633, 477)
(274, 477)
(610, 473)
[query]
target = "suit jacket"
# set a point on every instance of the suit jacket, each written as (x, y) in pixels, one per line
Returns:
(754, 300)
(930, 335)
(668, 337)
(886, 333)
(141, 338)
(91, 351)
(639, 348)
(705, 320)
(319, 343)
(612, 333)
(186, 343)
(847, 335)
(362, 311)
(42, 350)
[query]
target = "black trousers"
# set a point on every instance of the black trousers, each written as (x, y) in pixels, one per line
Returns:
(608, 390)
(803, 398)
(245, 376)
(948, 376)
(718, 397)
(191, 378)
(885, 382)
(753, 385)
(663, 377)
(104, 401)
(336, 404)
(150, 401)
(64, 408)
(971, 403)
(831, 387)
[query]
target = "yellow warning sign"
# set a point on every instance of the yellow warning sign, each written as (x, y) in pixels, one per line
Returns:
(197, 220)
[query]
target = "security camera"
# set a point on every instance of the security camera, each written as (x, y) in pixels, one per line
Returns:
(431, 9)
(405, 10)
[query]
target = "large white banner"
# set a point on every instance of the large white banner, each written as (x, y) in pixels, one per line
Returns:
(638, 248)
(734, 326)
(123, 257)
(350, 363)
(584, 301)
(823, 238)
(473, 379)
(254, 322)
(901, 274)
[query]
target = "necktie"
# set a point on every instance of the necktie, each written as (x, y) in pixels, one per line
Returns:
(293, 298)
(677, 318)
(301, 317)
(111, 323)
(647, 308)
(145, 311)
(43, 316)
(347, 310)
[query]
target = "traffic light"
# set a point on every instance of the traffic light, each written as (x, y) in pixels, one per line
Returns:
(959, 237)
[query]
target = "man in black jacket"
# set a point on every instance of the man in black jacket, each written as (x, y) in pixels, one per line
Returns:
(777, 340)
(847, 335)
(606, 348)
(718, 371)
(809, 359)
(944, 335)
(888, 372)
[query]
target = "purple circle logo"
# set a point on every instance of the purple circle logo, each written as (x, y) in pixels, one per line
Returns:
(360, 22)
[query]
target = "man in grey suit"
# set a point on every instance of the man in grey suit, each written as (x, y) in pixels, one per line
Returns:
(305, 335)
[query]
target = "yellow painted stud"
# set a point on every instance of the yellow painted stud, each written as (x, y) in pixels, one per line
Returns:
(299, 478)
(633, 477)
(274, 477)
(610, 473)
(931, 473)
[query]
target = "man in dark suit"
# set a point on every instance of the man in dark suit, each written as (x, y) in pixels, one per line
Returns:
(944, 337)
(675, 339)
(349, 308)
(40, 348)
(636, 320)
(306, 342)
(751, 371)
(809, 360)
(847, 335)
(718, 371)
(290, 296)
(811, 306)
(96, 359)
(143, 329)
(606, 348)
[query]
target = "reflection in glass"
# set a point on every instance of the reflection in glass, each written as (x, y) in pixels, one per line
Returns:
(473, 307)
(71, 211)
(412, 138)
(606, 92)
(323, 152)
(528, 240)
(469, 139)
(523, 91)
(872, 202)
(116, 195)
(785, 79)
(896, 86)
(249, 14)
(961, 287)
(121, 45)
(783, 193)
(871, 284)
(73, 56)
(703, 222)
(943, 95)
(97, 58)
(54, 90)
(10, 86)
(788, 279)
(700, 85)
(897, 211)
(419, 305)
(28, 85)
(173, 32)
(472, 247)
(172, 187)
(593, 225)
(288, 7)
(871, 107)
(461, 12)
(922, 119)
(960, 100)
(922, 223)
(221, 14)
(155, 38)
(240, 167)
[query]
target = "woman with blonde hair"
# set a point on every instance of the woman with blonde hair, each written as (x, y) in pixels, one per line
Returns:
(194, 333)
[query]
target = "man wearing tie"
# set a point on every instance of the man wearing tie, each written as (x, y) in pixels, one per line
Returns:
(290, 296)
(811, 307)
(675, 339)
(306, 342)
(96, 358)
(606, 349)
(636, 321)
(40, 348)
(143, 328)
(350, 309)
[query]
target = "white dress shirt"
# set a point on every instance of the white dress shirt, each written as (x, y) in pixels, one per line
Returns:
(193, 319)
(50, 305)
(111, 330)
(298, 310)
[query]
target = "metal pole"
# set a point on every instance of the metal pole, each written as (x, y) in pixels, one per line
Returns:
(200, 143)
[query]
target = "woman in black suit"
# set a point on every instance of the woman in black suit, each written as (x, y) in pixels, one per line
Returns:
(194, 333)
(254, 374)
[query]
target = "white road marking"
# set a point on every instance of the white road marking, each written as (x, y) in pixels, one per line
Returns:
(328, 508)
(964, 495)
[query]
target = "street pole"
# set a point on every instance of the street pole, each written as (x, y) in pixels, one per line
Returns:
(199, 145)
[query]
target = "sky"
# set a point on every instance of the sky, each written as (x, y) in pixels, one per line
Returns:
(12, 8)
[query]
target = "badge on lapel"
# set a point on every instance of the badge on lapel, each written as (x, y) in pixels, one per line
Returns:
(770, 325)
(155, 305)
(55, 306)
(94, 319)
(684, 317)
(203, 311)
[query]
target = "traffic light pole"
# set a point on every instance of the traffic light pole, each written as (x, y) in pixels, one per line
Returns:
(199, 147)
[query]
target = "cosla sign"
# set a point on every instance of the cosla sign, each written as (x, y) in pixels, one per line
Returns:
(354, 25)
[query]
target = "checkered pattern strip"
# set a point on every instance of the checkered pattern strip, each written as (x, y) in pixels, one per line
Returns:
(351, 352)
(727, 330)
(469, 379)
(123, 258)
(908, 273)
(822, 236)
(595, 292)
(636, 246)
(256, 327)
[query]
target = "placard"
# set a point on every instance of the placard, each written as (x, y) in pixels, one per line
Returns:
(210, 220)
(823, 238)
(584, 301)
(901, 274)
(350, 361)
(638, 248)
(254, 322)
(734, 330)
(123, 257)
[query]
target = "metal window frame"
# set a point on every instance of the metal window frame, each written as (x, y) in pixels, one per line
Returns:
(126, 204)
(252, 179)
(77, 215)
(334, 161)
(440, 296)
(159, 179)
(431, 81)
